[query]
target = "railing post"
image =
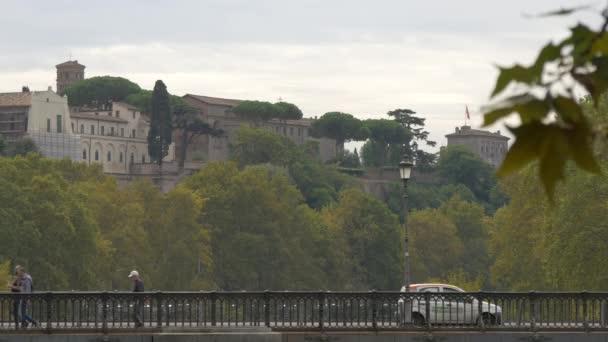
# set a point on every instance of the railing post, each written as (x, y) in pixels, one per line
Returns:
(104, 312)
(321, 309)
(267, 308)
(49, 312)
(585, 308)
(427, 310)
(532, 299)
(213, 308)
(159, 309)
(482, 324)
(374, 310)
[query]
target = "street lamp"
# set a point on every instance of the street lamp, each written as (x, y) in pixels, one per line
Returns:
(405, 171)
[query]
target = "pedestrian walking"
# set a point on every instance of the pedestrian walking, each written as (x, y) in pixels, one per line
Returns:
(15, 287)
(23, 284)
(138, 286)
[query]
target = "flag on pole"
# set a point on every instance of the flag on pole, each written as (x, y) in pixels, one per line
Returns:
(467, 111)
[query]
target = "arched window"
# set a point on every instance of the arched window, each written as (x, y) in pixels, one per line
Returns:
(84, 154)
(92, 129)
(109, 156)
(143, 158)
(81, 129)
(120, 157)
(102, 131)
(132, 158)
(96, 155)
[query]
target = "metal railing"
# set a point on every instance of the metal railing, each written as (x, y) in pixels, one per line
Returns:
(307, 311)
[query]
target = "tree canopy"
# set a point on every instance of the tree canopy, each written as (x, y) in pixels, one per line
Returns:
(339, 126)
(100, 91)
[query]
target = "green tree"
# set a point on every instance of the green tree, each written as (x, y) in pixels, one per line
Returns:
(288, 111)
(385, 136)
(100, 91)
(188, 122)
(341, 127)
(458, 165)
(472, 227)
(259, 112)
(2, 145)
(436, 249)
(415, 126)
(159, 136)
(258, 146)
(20, 147)
(516, 239)
(373, 236)
(271, 236)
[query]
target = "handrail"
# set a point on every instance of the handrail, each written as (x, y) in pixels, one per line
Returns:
(303, 310)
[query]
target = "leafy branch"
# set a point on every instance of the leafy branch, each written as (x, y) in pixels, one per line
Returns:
(553, 128)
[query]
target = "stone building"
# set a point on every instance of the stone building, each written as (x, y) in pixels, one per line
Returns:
(68, 73)
(489, 146)
(115, 137)
(42, 116)
(217, 112)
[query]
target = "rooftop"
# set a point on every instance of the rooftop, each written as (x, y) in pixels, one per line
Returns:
(102, 116)
(20, 99)
(215, 100)
(69, 63)
(468, 131)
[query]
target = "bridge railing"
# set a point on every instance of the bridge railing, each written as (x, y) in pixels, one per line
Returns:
(315, 311)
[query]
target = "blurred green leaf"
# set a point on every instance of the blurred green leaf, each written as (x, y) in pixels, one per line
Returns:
(581, 147)
(524, 150)
(567, 109)
(517, 73)
(549, 53)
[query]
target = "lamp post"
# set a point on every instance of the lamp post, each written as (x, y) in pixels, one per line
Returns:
(405, 171)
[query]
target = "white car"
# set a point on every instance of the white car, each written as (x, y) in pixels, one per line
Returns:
(446, 307)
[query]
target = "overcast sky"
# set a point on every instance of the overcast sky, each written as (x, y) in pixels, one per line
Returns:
(361, 57)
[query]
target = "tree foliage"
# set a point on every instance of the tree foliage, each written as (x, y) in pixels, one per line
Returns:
(258, 112)
(160, 134)
(553, 128)
(341, 127)
(100, 91)
(385, 138)
(458, 165)
(417, 135)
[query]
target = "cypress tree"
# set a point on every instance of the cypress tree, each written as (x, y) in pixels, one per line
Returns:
(159, 137)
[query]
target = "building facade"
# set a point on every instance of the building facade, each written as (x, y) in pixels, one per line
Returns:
(115, 137)
(68, 73)
(42, 116)
(217, 113)
(489, 146)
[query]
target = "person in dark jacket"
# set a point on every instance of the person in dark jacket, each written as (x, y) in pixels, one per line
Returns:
(138, 286)
(24, 284)
(15, 287)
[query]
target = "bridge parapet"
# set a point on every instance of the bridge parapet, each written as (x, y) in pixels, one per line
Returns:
(430, 312)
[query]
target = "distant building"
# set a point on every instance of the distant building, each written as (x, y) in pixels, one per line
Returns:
(68, 73)
(217, 112)
(489, 146)
(41, 115)
(115, 137)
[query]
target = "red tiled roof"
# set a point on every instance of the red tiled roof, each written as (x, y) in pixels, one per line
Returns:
(215, 100)
(20, 99)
